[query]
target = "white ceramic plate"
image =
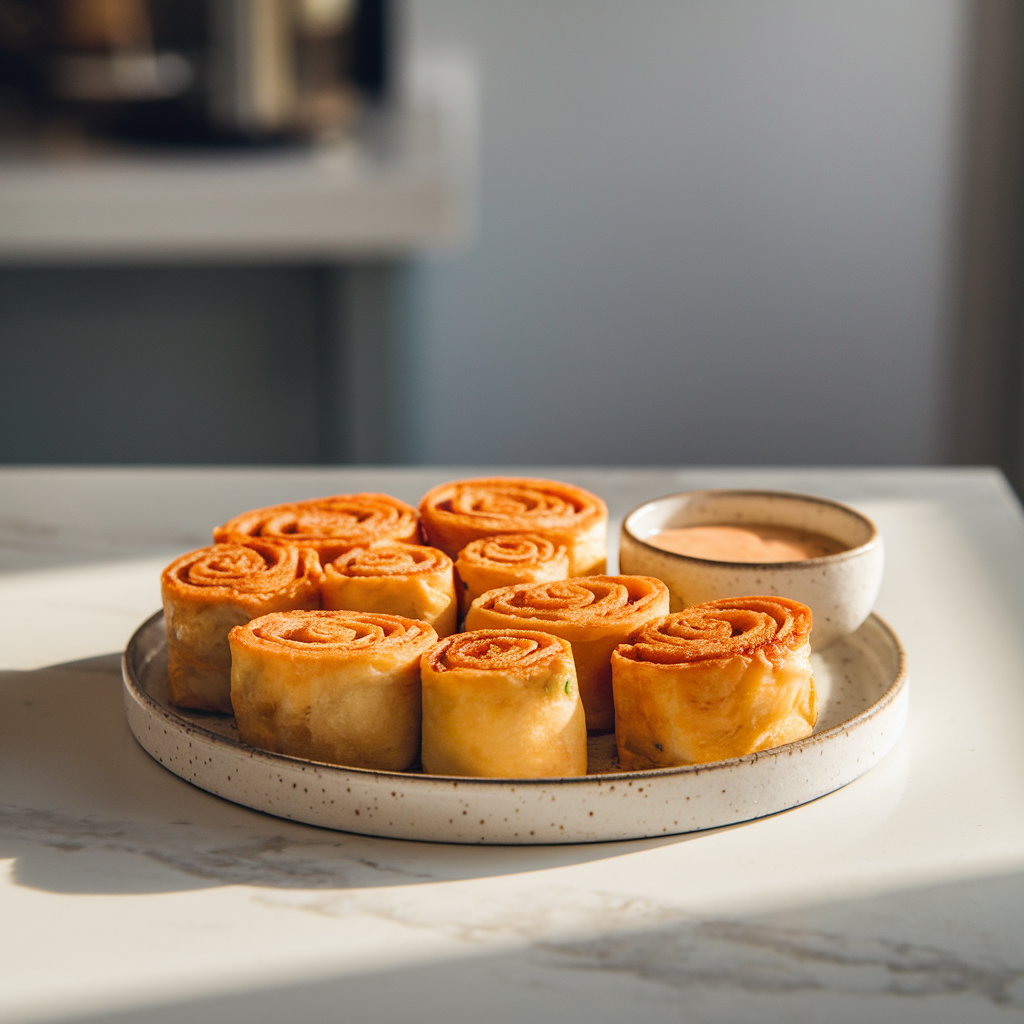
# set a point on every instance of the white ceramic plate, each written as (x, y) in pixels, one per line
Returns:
(863, 696)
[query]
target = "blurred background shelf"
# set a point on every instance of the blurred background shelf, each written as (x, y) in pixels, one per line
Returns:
(691, 220)
(403, 182)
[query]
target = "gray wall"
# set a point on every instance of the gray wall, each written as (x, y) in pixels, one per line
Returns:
(710, 232)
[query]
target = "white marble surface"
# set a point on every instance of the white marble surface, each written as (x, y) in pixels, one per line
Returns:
(127, 895)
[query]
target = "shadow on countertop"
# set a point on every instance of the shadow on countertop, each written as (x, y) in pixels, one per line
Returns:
(941, 954)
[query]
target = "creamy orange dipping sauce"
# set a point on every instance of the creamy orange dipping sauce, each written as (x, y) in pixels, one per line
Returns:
(751, 542)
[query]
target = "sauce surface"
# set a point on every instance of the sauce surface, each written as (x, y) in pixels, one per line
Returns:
(751, 542)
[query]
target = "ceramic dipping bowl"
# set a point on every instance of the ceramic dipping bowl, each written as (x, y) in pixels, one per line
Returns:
(840, 589)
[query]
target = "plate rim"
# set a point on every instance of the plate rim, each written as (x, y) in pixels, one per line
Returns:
(135, 690)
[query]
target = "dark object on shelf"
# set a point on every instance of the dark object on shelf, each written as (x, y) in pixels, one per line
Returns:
(196, 72)
(372, 37)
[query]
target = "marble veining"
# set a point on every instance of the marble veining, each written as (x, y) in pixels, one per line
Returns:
(208, 854)
(772, 960)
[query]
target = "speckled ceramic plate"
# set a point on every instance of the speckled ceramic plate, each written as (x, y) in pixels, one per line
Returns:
(863, 696)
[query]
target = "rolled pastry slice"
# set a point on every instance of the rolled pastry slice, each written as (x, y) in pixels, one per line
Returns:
(502, 703)
(457, 513)
(594, 613)
(334, 686)
(208, 592)
(502, 561)
(397, 579)
(331, 525)
(717, 680)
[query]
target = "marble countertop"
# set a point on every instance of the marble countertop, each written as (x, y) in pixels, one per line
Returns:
(128, 895)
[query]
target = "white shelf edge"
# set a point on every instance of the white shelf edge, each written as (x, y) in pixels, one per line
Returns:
(414, 189)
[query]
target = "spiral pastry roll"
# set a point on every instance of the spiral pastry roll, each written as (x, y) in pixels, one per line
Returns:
(334, 686)
(717, 680)
(493, 562)
(457, 513)
(594, 613)
(502, 703)
(397, 579)
(208, 592)
(331, 526)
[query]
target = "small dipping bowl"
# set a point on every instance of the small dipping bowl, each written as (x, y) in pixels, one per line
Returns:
(840, 589)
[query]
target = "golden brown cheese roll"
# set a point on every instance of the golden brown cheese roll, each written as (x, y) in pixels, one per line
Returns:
(457, 513)
(208, 592)
(333, 686)
(397, 579)
(717, 680)
(331, 526)
(493, 562)
(502, 703)
(594, 613)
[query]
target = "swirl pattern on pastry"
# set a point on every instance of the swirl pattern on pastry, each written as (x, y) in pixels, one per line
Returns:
(716, 680)
(495, 650)
(722, 629)
(331, 525)
(336, 686)
(594, 613)
(208, 592)
(502, 703)
(457, 513)
(507, 559)
(412, 580)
